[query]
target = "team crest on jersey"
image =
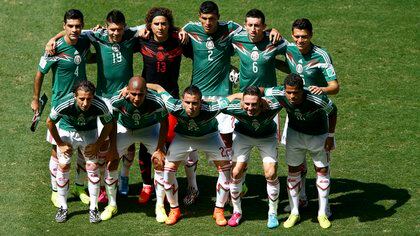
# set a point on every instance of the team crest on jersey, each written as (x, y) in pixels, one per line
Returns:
(298, 115)
(255, 55)
(160, 56)
(77, 59)
(299, 68)
(115, 47)
(81, 120)
(255, 124)
(209, 44)
(192, 125)
(136, 117)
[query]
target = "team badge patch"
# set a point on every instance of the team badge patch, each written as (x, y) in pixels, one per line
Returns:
(81, 120)
(210, 44)
(299, 68)
(115, 47)
(255, 55)
(255, 124)
(136, 117)
(77, 59)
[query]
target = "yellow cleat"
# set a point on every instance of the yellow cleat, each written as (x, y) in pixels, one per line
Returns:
(79, 191)
(291, 221)
(324, 222)
(109, 212)
(160, 214)
(54, 200)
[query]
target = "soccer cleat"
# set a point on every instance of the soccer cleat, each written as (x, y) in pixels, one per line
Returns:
(191, 197)
(303, 204)
(103, 198)
(109, 212)
(123, 185)
(219, 216)
(145, 194)
(61, 215)
(272, 221)
(160, 213)
(291, 221)
(79, 191)
(235, 219)
(54, 200)
(324, 222)
(174, 216)
(94, 216)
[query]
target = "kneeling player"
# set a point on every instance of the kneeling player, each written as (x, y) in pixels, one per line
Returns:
(312, 120)
(255, 127)
(196, 130)
(77, 131)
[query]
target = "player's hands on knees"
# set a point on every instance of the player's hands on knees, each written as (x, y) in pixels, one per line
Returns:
(315, 90)
(92, 150)
(274, 36)
(66, 148)
(50, 47)
(35, 105)
(183, 36)
(329, 144)
(144, 33)
(158, 159)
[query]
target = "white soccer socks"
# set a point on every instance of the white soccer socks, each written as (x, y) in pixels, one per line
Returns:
(111, 180)
(127, 161)
(222, 186)
(273, 189)
(171, 186)
(159, 189)
(323, 186)
(62, 179)
(94, 178)
(293, 189)
(53, 172)
(235, 193)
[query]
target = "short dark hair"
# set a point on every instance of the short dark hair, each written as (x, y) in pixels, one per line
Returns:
(73, 14)
(84, 85)
(302, 24)
(160, 11)
(192, 90)
(208, 7)
(116, 17)
(252, 90)
(255, 13)
(293, 80)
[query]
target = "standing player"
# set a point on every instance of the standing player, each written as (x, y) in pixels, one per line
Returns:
(68, 65)
(315, 66)
(312, 120)
(114, 48)
(196, 130)
(142, 117)
(78, 112)
(255, 127)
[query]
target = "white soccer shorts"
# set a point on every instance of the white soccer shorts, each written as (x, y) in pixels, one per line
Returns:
(149, 136)
(243, 144)
(298, 144)
(78, 140)
(211, 144)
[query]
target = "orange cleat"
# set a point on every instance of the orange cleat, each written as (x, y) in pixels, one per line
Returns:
(145, 194)
(219, 216)
(174, 216)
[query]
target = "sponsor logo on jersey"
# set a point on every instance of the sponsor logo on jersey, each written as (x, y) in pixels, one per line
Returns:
(115, 47)
(209, 44)
(255, 55)
(299, 68)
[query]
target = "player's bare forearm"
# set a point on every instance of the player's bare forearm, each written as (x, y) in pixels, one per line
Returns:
(106, 131)
(39, 77)
(50, 47)
(54, 132)
(155, 87)
(113, 154)
(164, 126)
(332, 121)
(235, 96)
(332, 88)
(282, 66)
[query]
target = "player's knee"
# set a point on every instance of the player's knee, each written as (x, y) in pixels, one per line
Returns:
(322, 170)
(270, 174)
(237, 172)
(64, 167)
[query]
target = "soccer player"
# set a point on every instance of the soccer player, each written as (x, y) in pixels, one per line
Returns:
(255, 127)
(312, 120)
(68, 65)
(162, 53)
(196, 130)
(142, 117)
(314, 65)
(114, 48)
(78, 112)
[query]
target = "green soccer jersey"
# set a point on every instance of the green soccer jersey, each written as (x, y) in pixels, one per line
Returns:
(115, 60)
(204, 123)
(315, 68)
(211, 57)
(68, 66)
(309, 117)
(257, 60)
(151, 112)
(260, 126)
(74, 119)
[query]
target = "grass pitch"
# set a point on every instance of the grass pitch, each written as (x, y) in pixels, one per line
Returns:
(375, 49)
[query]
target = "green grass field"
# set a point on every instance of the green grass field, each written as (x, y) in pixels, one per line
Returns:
(375, 190)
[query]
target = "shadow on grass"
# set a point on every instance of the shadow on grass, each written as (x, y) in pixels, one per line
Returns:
(349, 198)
